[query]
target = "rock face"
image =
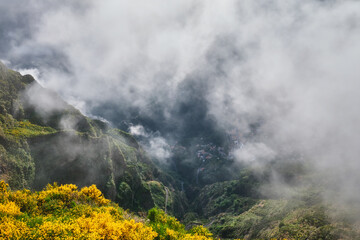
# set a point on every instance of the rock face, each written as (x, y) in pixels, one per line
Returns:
(43, 140)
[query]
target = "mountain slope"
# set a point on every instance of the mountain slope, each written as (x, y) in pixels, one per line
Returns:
(43, 139)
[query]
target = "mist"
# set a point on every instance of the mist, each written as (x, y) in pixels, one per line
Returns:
(186, 69)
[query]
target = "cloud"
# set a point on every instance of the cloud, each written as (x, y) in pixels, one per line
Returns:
(44, 101)
(159, 148)
(254, 153)
(138, 130)
(153, 143)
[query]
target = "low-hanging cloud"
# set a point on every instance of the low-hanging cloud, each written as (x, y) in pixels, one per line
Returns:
(187, 68)
(153, 143)
(254, 153)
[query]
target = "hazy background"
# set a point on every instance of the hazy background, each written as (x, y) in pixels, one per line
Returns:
(182, 69)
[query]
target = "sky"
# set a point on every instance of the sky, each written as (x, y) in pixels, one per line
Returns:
(180, 69)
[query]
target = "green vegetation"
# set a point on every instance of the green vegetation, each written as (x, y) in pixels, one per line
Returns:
(158, 193)
(25, 129)
(16, 163)
(294, 218)
(234, 196)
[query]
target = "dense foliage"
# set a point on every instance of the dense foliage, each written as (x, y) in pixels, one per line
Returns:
(64, 212)
(306, 215)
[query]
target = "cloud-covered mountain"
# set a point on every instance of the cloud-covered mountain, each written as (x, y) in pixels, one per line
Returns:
(283, 74)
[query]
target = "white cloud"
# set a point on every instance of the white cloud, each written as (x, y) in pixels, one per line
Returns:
(138, 130)
(159, 148)
(253, 153)
(154, 144)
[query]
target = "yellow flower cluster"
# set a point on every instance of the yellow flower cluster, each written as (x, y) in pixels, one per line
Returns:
(63, 212)
(169, 228)
(174, 235)
(94, 194)
(9, 208)
(26, 201)
(3, 187)
(4, 193)
(10, 228)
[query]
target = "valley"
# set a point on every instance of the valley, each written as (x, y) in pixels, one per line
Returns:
(53, 142)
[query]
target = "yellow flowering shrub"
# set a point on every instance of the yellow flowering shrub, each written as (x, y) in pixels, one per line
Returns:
(201, 231)
(174, 235)
(4, 193)
(9, 208)
(10, 228)
(103, 226)
(64, 212)
(3, 187)
(99, 226)
(26, 201)
(53, 230)
(64, 193)
(169, 228)
(94, 194)
(189, 236)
